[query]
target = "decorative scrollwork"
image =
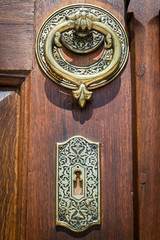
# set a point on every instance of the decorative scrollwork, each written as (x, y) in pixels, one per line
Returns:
(79, 44)
(97, 67)
(78, 212)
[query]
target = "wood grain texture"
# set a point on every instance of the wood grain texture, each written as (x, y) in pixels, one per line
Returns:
(123, 116)
(12, 79)
(9, 129)
(17, 35)
(145, 42)
(54, 117)
(23, 157)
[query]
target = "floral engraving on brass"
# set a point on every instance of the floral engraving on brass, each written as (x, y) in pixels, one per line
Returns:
(84, 44)
(82, 28)
(78, 184)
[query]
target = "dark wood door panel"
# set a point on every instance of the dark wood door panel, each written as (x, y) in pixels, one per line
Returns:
(109, 123)
(17, 35)
(54, 117)
(145, 54)
(9, 142)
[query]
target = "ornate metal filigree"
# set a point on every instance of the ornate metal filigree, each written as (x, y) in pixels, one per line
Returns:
(97, 67)
(78, 196)
(82, 44)
(82, 28)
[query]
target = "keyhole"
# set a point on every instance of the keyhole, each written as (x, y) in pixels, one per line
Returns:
(78, 183)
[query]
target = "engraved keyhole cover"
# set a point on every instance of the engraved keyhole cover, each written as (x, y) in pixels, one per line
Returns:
(78, 184)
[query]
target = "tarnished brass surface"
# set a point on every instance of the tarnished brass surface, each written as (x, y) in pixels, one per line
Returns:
(82, 21)
(78, 184)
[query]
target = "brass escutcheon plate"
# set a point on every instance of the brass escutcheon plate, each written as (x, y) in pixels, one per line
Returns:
(82, 28)
(78, 184)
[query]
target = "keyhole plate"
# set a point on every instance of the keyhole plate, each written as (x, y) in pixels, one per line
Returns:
(78, 210)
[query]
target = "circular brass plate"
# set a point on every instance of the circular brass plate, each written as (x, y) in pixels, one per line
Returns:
(59, 16)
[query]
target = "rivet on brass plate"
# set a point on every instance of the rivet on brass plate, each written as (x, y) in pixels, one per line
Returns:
(78, 184)
(82, 28)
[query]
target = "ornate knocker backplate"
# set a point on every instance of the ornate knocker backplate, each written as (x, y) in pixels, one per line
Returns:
(82, 28)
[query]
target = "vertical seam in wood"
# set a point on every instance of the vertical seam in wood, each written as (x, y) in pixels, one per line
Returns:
(126, 4)
(28, 134)
(19, 169)
(130, 23)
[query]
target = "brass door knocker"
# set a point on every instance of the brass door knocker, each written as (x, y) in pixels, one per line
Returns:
(82, 28)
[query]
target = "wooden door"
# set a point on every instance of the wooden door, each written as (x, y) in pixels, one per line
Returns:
(123, 116)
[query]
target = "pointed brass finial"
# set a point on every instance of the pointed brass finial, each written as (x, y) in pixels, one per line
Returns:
(82, 94)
